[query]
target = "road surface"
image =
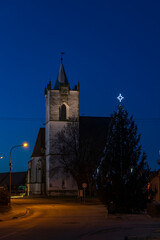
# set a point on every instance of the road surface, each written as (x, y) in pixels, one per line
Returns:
(58, 220)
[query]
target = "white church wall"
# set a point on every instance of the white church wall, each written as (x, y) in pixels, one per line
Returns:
(54, 170)
(47, 174)
(58, 181)
(35, 188)
(73, 102)
(34, 176)
(54, 99)
(47, 96)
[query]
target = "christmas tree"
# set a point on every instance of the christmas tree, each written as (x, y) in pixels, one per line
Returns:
(123, 173)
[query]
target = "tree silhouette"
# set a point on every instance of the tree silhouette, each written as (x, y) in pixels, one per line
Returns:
(79, 155)
(123, 174)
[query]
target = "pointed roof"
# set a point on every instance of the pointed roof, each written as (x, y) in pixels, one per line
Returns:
(61, 79)
(40, 144)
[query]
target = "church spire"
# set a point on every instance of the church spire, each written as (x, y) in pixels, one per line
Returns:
(62, 78)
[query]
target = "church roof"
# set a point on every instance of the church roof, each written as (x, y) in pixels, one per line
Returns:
(94, 129)
(39, 148)
(61, 79)
(94, 126)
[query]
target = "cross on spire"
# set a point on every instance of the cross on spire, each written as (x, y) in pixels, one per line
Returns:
(62, 53)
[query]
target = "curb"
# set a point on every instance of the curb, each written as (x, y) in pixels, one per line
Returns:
(15, 216)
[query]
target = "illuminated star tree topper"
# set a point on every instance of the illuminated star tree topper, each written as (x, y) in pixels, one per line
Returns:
(120, 97)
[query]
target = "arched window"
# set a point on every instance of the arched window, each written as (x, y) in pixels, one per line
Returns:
(62, 113)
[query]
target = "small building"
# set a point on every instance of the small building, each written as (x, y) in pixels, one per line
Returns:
(18, 181)
(154, 185)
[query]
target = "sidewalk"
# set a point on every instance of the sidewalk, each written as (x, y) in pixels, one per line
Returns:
(13, 212)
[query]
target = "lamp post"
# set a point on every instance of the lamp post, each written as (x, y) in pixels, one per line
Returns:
(10, 164)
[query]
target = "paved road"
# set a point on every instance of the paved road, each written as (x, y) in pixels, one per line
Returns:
(53, 219)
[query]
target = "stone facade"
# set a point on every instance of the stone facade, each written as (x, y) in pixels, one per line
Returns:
(62, 107)
(34, 176)
(59, 101)
(36, 166)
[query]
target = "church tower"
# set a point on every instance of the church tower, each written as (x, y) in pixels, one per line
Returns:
(62, 107)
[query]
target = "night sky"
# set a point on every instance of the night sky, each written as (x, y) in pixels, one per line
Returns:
(110, 47)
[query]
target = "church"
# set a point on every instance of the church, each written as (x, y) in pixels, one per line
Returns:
(61, 108)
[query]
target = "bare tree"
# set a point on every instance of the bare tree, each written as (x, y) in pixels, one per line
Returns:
(79, 156)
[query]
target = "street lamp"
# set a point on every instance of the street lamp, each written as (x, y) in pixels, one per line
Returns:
(10, 163)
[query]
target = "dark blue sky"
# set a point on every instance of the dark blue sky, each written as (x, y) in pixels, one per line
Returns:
(110, 47)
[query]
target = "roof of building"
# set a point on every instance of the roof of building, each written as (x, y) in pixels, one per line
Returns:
(91, 129)
(94, 130)
(18, 178)
(154, 174)
(61, 79)
(39, 148)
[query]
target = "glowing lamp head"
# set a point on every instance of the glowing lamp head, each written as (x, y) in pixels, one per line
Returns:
(25, 144)
(1, 157)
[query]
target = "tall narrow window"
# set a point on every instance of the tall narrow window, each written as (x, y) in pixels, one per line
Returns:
(62, 114)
